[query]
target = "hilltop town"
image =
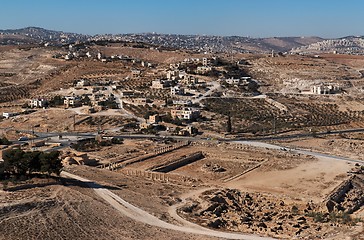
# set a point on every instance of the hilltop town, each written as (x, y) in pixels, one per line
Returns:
(203, 136)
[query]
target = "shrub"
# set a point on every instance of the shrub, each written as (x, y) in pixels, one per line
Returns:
(4, 141)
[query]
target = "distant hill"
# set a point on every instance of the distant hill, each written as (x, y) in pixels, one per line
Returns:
(230, 44)
(345, 45)
(277, 44)
(287, 43)
(36, 35)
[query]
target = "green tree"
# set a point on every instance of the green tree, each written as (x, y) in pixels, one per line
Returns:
(50, 163)
(228, 125)
(2, 170)
(32, 159)
(12, 161)
(86, 100)
(253, 86)
(21, 164)
(56, 101)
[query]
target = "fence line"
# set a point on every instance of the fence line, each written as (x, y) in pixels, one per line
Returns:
(158, 176)
(159, 151)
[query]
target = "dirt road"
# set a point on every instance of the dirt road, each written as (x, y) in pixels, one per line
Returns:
(300, 151)
(140, 215)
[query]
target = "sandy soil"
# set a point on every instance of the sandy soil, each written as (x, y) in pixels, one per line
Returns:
(70, 212)
(308, 181)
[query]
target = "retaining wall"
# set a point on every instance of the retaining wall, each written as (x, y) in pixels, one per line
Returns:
(170, 166)
(159, 151)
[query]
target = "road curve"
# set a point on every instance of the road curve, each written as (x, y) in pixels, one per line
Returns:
(140, 215)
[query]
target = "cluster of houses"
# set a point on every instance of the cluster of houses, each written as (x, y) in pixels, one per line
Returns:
(203, 65)
(237, 81)
(182, 88)
(179, 83)
(183, 113)
(84, 52)
(68, 101)
(93, 99)
(205, 61)
(325, 89)
(38, 103)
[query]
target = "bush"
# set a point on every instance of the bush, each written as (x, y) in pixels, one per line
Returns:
(117, 140)
(85, 145)
(56, 101)
(4, 141)
(337, 217)
(318, 216)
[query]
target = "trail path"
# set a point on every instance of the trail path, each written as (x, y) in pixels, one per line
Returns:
(140, 215)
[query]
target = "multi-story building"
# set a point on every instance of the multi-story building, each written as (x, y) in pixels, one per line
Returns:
(154, 118)
(186, 113)
(38, 103)
(72, 101)
(325, 89)
(135, 73)
(139, 101)
(177, 90)
(203, 69)
(160, 84)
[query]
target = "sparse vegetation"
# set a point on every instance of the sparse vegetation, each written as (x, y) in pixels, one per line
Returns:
(335, 217)
(256, 115)
(92, 144)
(285, 108)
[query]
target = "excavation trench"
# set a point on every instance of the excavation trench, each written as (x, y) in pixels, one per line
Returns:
(175, 164)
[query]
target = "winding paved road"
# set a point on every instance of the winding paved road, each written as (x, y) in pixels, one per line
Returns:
(140, 215)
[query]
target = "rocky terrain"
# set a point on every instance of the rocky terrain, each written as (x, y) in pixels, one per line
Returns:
(48, 209)
(348, 197)
(233, 210)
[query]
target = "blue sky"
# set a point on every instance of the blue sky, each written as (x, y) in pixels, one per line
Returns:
(255, 18)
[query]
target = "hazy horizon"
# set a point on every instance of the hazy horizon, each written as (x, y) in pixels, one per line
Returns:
(256, 19)
(57, 30)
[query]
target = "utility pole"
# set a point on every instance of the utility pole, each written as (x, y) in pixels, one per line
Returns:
(74, 122)
(32, 138)
(274, 125)
(99, 131)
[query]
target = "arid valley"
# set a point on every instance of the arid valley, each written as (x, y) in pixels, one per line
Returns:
(166, 142)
